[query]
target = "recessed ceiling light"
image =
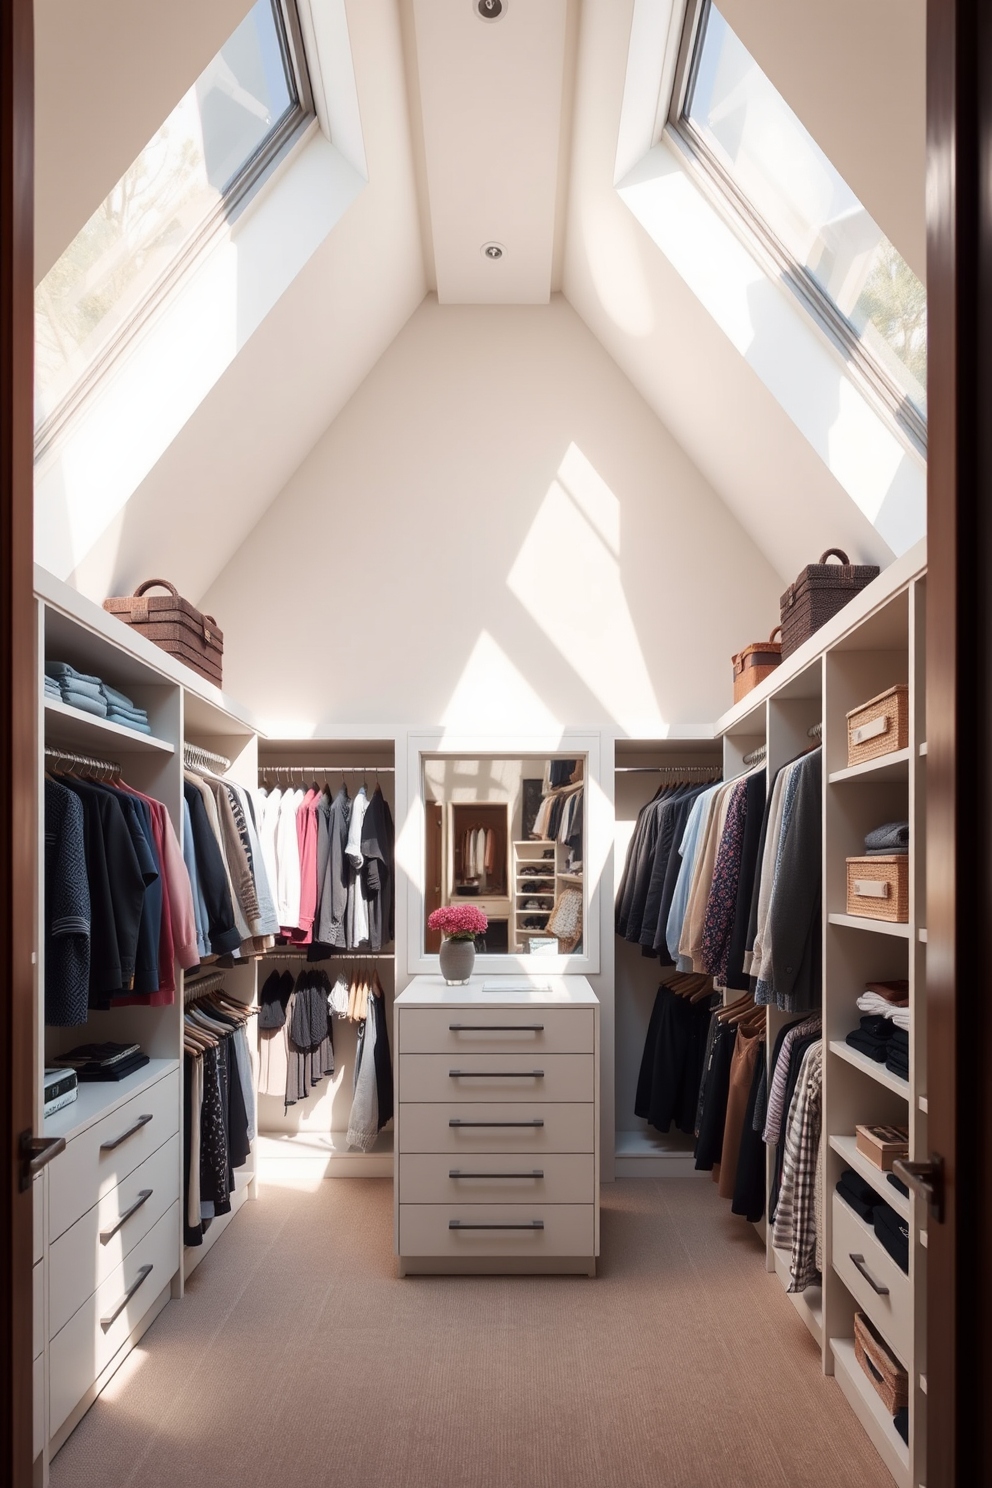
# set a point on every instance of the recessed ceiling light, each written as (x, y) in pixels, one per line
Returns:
(492, 251)
(490, 10)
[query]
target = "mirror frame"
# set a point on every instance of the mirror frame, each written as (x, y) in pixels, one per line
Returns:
(599, 841)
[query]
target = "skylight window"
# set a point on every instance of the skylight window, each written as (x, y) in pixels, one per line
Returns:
(824, 241)
(215, 147)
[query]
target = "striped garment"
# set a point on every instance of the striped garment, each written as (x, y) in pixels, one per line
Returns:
(795, 1220)
(776, 1095)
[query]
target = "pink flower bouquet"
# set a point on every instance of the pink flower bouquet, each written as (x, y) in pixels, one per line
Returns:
(458, 921)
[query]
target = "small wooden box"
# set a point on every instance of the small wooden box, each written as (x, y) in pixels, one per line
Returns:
(878, 888)
(890, 1380)
(882, 1145)
(878, 727)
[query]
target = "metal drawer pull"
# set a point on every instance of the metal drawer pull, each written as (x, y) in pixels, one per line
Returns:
(495, 1074)
(531, 1173)
(143, 1197)
(112, 1317)
(116, 1141)
(459, 1224)
(495, 1027)
(876, 1286)
(456, 1122)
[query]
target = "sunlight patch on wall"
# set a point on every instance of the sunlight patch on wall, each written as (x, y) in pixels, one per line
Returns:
(491, 695)
(578, 535)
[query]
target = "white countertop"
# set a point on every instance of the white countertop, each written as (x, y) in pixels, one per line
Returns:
(517, 990)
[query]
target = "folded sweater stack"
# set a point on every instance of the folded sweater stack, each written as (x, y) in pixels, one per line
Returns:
(888, 1000)
(93, 695)
(890, 840)
(873, 1036)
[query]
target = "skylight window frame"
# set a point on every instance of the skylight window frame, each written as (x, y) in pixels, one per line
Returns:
(240, 191)
(874, 380)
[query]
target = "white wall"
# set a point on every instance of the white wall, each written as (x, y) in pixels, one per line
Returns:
(495, 532)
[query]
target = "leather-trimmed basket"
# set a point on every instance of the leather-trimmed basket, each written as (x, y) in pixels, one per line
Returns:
(889, 1380)
(175, 625)
(755, 663)
(818, 593)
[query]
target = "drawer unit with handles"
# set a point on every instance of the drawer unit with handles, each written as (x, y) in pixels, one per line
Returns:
(100, 1157)
(497, 1127)
(880, 1287)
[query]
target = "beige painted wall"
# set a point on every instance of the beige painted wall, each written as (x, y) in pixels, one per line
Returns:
(495, 532)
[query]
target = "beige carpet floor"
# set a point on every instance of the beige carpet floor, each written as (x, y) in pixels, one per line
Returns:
(298, 1358)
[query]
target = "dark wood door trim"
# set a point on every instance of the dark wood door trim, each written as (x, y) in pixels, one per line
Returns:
(18, 687)
(959, 735)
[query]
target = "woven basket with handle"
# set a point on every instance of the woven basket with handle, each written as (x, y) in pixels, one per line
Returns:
(818, 593)
(175, 625)
(755, 663)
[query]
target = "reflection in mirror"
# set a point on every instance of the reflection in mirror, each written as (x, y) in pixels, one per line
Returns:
(507, 834)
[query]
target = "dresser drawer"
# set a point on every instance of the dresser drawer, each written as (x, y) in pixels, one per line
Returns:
(891, 1312)
(84, 1256)
(100, 1157)
(92, 1336)
(482, 1030)
(496, 1076)
(538, 1230)
(496, 1178)
(497, 1127)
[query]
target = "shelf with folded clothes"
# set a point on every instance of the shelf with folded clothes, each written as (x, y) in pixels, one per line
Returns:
(92, 694)
(847, 1148)
(67, 725)
(100, 1098)
(870, 1067)
(888, 767)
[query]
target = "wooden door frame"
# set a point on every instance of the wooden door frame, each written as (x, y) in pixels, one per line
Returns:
(18, 686)
(959, 736)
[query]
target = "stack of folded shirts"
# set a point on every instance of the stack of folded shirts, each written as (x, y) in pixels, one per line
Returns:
(898, 1185)
(860, 1195)
(873, 1037)
(93, 695)
(888, 1000)
(890, 840)
(893, 1232)
(104, 1061)
(897, 1055)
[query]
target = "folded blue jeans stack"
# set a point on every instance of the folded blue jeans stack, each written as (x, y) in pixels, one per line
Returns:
(93, 695)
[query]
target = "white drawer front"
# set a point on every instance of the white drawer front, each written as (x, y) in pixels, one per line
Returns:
(89, 1250)
(496, 1178)
(38, 1309)
(482, 1030)
(892, 1312)
(499, 1127)
(496, 1076)
(538, 1230)
(91, 1338)
(100, 1157)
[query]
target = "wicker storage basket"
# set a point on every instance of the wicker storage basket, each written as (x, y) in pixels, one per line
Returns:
(175, 625)
(890, 1380)
(819, 592)
(878, 727)
(755, 663)
(878, 888)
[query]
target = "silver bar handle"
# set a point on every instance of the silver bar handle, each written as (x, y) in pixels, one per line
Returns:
(495, 1027)
(105, 1322)
(531, 1224)
(530, 1173)
(116, 1141)
(122, 1219)
(876, 1286)
(495, 1074)
(456, 1122)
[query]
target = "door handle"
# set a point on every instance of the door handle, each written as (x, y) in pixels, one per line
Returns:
(926, 1179)
(36, 1153)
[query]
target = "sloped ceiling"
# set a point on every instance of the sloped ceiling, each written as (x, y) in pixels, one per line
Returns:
(407, 233)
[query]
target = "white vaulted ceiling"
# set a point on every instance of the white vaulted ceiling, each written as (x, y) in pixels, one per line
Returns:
(473, 131)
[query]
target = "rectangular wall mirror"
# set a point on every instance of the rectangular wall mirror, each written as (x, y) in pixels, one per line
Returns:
(507, 834)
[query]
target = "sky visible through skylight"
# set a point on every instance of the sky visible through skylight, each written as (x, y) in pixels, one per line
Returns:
(159, 204)
(777, 165)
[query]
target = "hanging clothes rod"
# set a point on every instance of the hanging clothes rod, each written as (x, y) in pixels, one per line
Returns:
(193, 990)
(327, 769)
(286, 953)
(82, 761)
(815, 731)
(715, 769)
(755, 756)
(194, 755)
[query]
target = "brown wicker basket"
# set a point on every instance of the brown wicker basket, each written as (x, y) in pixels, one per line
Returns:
(175, 625)
(890, 1380)
(819, 592)
(755, 663)
(878, 888)
(879, 727)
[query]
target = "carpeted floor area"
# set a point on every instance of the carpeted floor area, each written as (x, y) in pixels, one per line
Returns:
(297, 1357)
